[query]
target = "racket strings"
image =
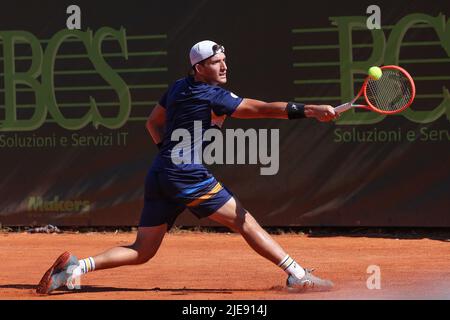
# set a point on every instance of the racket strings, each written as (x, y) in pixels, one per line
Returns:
(391, 92)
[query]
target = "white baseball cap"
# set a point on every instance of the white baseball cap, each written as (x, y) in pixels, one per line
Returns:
(203, 50)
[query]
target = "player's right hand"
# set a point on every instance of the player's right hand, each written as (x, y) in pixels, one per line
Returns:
(323, 113)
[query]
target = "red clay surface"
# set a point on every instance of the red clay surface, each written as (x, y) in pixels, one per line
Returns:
(221, 266)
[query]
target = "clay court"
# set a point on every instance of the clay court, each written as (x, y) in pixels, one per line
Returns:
(199, 265)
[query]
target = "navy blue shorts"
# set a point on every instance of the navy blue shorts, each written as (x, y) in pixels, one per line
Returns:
(165, 200)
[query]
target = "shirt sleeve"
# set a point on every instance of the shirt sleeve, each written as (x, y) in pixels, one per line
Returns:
(225, 102)
(163, 101)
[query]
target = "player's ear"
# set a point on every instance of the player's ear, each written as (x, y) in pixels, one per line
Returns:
(199, 68)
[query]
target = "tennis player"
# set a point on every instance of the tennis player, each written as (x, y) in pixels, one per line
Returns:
(172, 187)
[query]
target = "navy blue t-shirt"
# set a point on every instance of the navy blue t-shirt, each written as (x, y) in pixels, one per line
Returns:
(188, 107)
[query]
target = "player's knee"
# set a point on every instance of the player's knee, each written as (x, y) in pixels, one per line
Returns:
(244, 223)
(143, 254)
(141, 259)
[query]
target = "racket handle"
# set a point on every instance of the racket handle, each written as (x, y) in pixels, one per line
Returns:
(343, 107)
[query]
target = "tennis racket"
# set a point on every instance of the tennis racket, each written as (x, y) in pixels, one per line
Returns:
(392, 93)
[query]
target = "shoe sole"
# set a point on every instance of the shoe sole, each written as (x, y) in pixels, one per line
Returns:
(46, 280)
(308, 289)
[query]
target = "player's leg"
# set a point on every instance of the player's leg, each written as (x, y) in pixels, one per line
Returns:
(145, 246)
(235, 217)
(218, 204)
(156, 215)
(68, 268)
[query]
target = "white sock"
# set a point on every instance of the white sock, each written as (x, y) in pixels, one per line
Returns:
(291, 267)
(84, 266)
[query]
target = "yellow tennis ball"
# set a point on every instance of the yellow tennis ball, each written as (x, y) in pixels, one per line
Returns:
(375, 73)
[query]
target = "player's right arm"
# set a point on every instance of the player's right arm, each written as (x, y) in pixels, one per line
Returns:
(251, 109)
(156, 124)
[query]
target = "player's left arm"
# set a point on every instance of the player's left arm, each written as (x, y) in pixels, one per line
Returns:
(253, 109)
(156, 124)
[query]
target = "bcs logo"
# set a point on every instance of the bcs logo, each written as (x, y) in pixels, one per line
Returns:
(43, 65)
